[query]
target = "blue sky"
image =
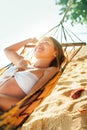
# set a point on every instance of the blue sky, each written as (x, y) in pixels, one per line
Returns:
(21, 19)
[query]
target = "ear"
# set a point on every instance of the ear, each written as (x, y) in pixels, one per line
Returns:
(55, 53)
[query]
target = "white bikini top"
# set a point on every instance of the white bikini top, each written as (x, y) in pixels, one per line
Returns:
(25, 80)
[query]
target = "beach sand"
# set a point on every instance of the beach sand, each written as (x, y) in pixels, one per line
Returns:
(59, 111)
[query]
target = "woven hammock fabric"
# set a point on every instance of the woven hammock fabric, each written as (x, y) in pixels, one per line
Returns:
(16, 116)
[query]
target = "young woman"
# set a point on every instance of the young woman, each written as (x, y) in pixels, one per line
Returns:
(30, 75)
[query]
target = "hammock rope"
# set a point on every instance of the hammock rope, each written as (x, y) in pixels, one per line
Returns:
(16, 116)
(53, 32)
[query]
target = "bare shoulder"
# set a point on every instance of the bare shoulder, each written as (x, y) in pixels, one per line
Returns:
(51, 70)
(44, 69)
(45, 72)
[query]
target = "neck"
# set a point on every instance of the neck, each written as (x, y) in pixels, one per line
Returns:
(42, 63)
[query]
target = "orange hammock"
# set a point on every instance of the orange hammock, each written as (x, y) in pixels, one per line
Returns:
(16, 116)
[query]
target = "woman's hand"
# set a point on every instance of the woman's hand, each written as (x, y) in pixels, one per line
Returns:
(32, 40)
(22, 64)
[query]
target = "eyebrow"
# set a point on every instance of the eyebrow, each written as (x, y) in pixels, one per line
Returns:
(47, 42)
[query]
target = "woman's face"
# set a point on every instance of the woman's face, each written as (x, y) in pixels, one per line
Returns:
(45, 49)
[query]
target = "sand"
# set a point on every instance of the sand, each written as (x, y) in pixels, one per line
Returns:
(59, 111)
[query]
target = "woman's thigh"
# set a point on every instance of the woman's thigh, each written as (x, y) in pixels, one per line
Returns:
(11, 88)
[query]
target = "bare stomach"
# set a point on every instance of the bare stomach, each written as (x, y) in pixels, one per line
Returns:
(11, 88)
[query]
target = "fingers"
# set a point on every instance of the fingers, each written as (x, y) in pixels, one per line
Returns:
(23, 64)
(35, 40)
(32, 40)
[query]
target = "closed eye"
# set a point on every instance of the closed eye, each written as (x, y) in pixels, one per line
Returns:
(47, 43)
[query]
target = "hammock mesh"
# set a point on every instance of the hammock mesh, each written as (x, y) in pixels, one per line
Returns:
(16, 116)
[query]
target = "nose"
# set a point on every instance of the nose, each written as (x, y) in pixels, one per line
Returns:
(40, 44)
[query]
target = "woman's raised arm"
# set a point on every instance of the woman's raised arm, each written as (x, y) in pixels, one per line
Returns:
(11, 51)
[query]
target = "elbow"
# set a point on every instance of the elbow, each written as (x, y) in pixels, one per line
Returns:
(5, 50)
(8, 51)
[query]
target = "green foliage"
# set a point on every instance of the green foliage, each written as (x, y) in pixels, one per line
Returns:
(77, 12)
